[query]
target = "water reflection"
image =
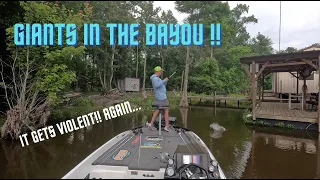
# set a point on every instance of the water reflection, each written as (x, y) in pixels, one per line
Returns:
(216, 134)
(281, 156)
(242, 151)
(184, 117)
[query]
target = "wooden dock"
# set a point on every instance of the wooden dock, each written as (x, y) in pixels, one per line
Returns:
(218, 99)
(281, 111)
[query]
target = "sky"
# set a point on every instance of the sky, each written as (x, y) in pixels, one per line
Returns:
(300, 21)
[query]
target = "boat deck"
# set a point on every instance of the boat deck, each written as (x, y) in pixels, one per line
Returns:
(142, 151)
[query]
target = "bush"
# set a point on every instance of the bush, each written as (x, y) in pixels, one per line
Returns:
(82, 106)
(83, 101)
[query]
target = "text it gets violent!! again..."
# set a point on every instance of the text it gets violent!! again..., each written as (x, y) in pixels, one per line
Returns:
(120, 34)
(75, 124)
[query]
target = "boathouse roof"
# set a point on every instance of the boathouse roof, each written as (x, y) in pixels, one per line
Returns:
(285, 62)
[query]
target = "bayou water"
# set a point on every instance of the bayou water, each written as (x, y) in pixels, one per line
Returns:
(243, 151)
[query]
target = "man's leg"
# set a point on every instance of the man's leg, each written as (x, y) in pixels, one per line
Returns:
(166, 117)
(155, 114)
(150, 125)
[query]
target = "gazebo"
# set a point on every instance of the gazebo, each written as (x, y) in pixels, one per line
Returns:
(258, 67)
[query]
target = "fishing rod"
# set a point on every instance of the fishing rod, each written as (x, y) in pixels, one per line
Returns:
(176, 71)
(172, 74)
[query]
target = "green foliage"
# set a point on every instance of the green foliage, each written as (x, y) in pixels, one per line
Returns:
(82, 106)
(261, 45)
(54, 80)
(247, 118)
(280, 124)
(101, 67)
(291, 126)
(52, 66)
(82, 102)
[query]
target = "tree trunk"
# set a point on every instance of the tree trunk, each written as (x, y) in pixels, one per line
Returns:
(103, 73)
(184, 99)
(29, 112)
(111, 66)
(162, 60)
(137, 65)
(144, 68)
(184, 117)
(103, 80)
(144, 74)
(181, 82)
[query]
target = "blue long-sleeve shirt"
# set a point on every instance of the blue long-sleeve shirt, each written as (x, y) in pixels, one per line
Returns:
(159, 86)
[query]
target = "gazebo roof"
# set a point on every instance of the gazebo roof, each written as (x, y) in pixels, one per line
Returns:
(287, 62)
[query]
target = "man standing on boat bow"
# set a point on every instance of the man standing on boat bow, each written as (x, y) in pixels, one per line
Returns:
(159, 86)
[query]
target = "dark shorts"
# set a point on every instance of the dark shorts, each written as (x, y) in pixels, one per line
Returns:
(161, 102)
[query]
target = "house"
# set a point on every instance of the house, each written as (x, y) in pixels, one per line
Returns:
(284, 82)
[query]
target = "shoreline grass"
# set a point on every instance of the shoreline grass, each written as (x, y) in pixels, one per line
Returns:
(247, 118)
(86, 104)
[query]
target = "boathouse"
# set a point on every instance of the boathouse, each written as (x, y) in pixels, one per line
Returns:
(294, 107)
(284, 82)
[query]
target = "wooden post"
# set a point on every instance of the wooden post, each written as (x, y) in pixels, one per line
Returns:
(302, 102)
(253, 90)
(275, 83)
(297, 85)
(262, 87)
(259, 86)
(290, 100)
(304, 96)
(319, 96)
(280, 90)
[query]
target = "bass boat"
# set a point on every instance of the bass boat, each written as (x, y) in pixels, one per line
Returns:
(142, 153)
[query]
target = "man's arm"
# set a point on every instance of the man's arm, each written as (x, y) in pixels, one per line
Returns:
(157, 82)
(165, 82)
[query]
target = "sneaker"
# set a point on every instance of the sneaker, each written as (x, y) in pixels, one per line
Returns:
(150, 126)
(166, 129)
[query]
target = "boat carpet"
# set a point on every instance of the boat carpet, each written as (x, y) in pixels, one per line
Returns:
(142, 151)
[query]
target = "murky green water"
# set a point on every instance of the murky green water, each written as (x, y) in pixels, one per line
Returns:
(242, 151)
